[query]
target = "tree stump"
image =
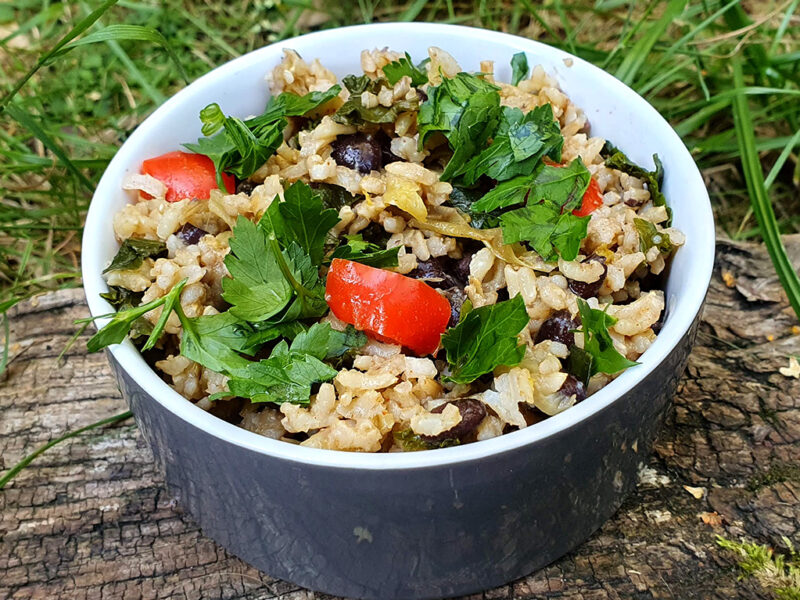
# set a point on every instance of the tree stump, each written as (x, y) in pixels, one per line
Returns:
(90, 518)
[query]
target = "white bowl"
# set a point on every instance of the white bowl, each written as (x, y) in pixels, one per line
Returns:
(615, 113)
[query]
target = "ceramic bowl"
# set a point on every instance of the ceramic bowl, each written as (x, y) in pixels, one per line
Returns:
(421, 524)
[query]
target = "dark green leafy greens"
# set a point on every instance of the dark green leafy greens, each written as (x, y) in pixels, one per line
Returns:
(133, 251)
(520, 142)
(579, 364)
(367, 253)
(122, 298)
(519, 68)
(485, 339)
(464, 199)
(243, 146)
(616, 159)
(466, 110)
(650, 236)
(403, 66)
(353, 111)
(335, 196)
(411, 442)
(597, 341)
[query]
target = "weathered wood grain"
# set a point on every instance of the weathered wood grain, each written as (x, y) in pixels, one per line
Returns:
(90, 519)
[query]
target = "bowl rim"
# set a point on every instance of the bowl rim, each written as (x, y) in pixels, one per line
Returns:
(130, 360)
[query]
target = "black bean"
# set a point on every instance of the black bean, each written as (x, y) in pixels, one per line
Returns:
(245, 186)
(434, 272)
(386, 147)
(422, 95)
(456, 297)
(589, 290)
(573, 387)
(461, 268)
(190, 235)
(558, 328)
(472, 413)
(358, 151)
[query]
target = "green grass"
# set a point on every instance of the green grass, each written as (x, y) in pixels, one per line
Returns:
(77, 77)
(777, 573)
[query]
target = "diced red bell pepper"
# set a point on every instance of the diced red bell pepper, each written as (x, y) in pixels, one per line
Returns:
(592, 200)
(186, 175)
(386, 305)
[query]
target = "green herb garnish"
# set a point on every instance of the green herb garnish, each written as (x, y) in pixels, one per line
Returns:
(411, 442)
(616, 159)
(485, 339)
(546, 223)
(300, 218)
(597, 341)
(519, 68)
(243, 146)
(403, 66)
(133, 251)
(650, 236)
(518, 145)
(121, 322)
(257, 288)
(466, 110)
(367, 253)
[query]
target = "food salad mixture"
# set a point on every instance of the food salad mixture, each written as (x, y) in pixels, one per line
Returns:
(409, 258)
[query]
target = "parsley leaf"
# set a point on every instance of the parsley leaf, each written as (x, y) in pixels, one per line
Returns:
(300, 218)
(286, 376)
(403, 66)
(121, 322)
(521, 140)
(243, 146)
(367, 253)
(519, 68)
(322, 341)
(546, 229)
(303, 276)
(466, 110)
(485, 339)
(133, 251)
(650, 236)
(257, 288)
(548, 226)
(597, 341)
(290, 371)
(616, 159)
(212, 341)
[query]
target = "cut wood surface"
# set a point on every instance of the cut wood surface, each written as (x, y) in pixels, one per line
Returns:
(90, 518)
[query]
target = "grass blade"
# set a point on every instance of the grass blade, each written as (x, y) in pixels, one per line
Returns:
(29, 123)
(119, 32)
(781, 160)
(79, 28)
(6, 343)
(633, 62)
(754, 177)
(14, 471)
